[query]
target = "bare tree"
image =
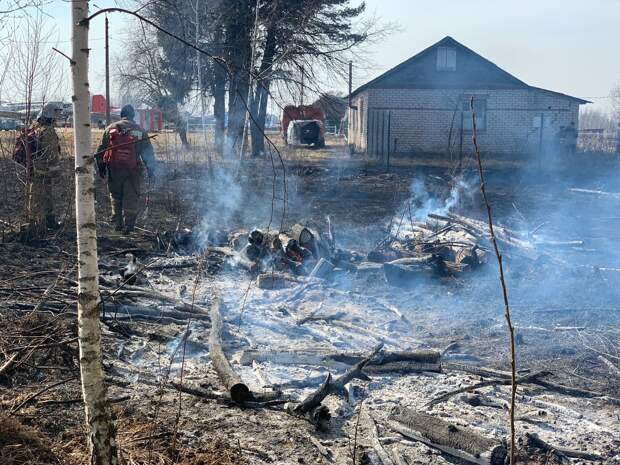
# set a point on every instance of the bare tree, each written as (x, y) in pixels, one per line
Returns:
(16, 6)
(102, 442)
(34, 72)
(615, 102)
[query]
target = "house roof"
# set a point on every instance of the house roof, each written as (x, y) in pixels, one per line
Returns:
(473, 72)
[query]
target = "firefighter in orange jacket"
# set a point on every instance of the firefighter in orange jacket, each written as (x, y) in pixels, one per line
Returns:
(125, 152)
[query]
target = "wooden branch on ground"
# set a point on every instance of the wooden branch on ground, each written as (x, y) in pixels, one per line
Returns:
(33, 396)
(612, 368)
(576, 392)
(312, 410)
(475, 370)
(563, 452)
(324, 451)
(355, 371)
(493, 382)
(135, 291)
(78, 400)
(239, 391)
(376, 443)
(447, 437)
(9, 362)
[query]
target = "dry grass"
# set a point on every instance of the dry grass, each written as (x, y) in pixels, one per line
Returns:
(22, 445)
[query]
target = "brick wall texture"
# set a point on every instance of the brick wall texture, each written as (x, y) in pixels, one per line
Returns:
(428, 121)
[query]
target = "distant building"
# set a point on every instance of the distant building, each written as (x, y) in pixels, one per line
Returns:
(151, 119)
(422, 107)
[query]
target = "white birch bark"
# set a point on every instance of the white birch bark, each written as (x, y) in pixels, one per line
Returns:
(102, 443)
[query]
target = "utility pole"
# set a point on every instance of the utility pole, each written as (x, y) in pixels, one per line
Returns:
(203, 104)
(301, 97)
(107, 73)
(350, 82)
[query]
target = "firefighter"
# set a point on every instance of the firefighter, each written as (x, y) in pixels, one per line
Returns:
(124, 154)
(38, 149)
(570, 138)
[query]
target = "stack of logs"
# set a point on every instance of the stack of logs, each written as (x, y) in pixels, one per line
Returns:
(283, 255)
(443, 245)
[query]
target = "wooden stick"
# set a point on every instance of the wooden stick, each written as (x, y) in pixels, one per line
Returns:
(31, 397)
(8, 363)
(312, 410)
(239, 392)
(504, 288)
(376, 443)
(492, 382)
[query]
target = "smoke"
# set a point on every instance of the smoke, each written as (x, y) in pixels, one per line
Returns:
(223, 201)
(422, 203)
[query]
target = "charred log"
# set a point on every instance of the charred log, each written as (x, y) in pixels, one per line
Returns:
(238, 390)
(454, 440)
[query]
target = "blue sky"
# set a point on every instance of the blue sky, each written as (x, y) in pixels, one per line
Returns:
(570, 46)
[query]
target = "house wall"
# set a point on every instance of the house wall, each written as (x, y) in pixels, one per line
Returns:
(358, 121)
(428, 120)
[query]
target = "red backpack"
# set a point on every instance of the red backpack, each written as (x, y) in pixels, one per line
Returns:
(26, 147)
(121, 152)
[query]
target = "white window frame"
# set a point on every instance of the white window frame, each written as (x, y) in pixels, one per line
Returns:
(480, 105)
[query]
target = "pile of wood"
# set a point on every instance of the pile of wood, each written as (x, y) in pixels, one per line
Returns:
(443, 245)
(299, 251)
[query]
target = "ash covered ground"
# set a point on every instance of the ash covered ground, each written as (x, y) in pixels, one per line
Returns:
(564, 299)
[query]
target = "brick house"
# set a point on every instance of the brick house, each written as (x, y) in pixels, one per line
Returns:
(422, 107)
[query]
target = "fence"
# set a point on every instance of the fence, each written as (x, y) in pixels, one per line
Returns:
(598, 140)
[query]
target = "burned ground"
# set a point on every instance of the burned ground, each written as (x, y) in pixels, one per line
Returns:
(565, 306)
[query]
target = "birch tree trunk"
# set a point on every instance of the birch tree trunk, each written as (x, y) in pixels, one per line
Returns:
(101, 441)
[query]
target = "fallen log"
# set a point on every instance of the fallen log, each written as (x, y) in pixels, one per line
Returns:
(117, 310)
(239, 392)
(177, 262)
(402, 367)
(481, 229)
(337, 359)
(311, 240)
(476, 370)
(135, 291)
(454, 440)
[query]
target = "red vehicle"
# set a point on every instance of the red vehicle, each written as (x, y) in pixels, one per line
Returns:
(312, 132)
